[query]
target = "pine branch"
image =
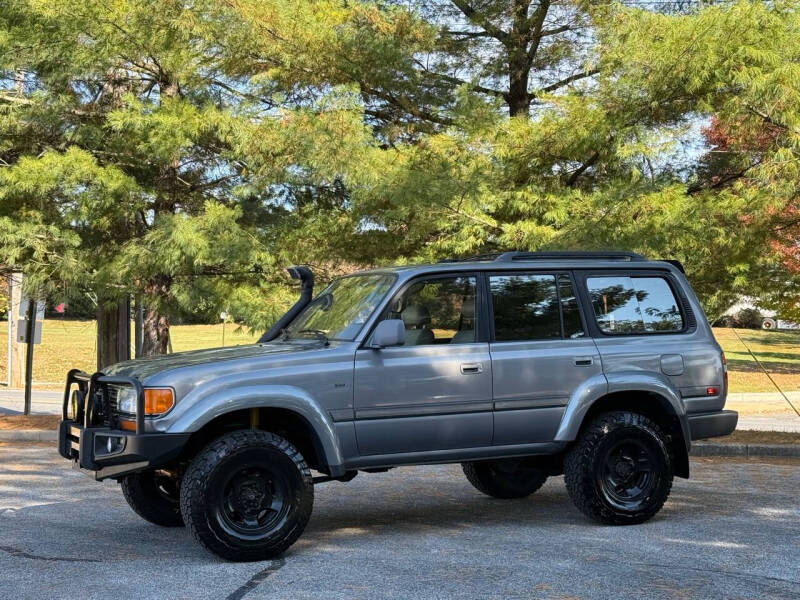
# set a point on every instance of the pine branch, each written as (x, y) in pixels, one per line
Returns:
(566, 81)
(480, 20)
(580, 170)
(458, 81)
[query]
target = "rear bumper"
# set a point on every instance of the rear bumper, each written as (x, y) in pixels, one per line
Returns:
(88, 449)
(712, 424)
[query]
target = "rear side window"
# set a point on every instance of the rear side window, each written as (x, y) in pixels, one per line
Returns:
(634, 305)
(534, 307)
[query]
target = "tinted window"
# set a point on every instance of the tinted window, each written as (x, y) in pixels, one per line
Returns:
(437, 311)
(525, 307)
(634, 304)
(573, 328)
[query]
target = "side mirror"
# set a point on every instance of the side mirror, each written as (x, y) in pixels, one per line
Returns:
(390, 332)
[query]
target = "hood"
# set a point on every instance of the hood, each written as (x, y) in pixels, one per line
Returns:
(142, 368)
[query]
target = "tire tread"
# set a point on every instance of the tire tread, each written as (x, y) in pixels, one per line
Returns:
(579, 475)
(193, 493)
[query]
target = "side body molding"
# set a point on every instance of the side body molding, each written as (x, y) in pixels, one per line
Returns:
(619, 381)
(223, 401)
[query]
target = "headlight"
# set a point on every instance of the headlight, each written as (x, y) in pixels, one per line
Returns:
(156, 400)
(126, 400)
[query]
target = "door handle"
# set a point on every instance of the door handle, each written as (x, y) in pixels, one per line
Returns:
(583, 361)
(471, 368)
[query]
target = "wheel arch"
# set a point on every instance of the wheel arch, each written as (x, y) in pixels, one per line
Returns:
(293, 415)
(650, 396)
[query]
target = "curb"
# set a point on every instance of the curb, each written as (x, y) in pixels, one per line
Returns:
(746, 450)
(28, 435)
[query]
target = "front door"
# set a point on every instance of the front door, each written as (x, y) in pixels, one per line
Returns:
(435, 392)
(540, 354)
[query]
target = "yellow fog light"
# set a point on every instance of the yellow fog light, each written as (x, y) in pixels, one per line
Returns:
(76, 403)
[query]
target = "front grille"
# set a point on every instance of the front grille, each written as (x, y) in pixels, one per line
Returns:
(113, 405)
(105, 410)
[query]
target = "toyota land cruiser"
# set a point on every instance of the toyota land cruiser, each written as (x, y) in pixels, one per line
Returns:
(520, 366)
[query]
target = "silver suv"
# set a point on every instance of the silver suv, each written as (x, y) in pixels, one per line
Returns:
(520, 366)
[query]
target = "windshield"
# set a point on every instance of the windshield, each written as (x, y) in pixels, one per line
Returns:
(341, 310)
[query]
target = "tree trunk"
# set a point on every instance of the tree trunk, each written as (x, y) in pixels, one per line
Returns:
(113, 333)
(519, 59)
(519, 102)
(155, 333)
(155, 325)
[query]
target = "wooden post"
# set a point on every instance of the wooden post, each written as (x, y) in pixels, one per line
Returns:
(16, 354)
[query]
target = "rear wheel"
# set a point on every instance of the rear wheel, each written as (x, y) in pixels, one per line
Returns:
(508, 478)
(247, 496)
(154, 496)
(620, 470)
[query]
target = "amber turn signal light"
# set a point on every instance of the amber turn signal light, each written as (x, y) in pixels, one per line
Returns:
(157, 400)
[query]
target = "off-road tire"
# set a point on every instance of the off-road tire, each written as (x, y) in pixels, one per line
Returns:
(508, 478)
(151, 499)
(589, 474)
(212, 516)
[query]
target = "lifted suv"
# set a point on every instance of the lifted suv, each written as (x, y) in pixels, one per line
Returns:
(520, 366)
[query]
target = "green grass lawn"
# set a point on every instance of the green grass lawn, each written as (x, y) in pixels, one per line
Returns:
(69, 344)
(778, 352)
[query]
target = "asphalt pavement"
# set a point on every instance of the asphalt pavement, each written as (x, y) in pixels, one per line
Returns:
(731, 531)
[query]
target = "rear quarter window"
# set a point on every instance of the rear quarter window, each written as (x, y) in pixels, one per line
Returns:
(634, 305)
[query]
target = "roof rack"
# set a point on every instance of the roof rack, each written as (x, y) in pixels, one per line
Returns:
(612, 255)
(572, 255)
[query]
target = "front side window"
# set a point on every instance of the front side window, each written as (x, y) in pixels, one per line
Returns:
(526, 307)
(342, 308)
(438, 311)
(634, 305)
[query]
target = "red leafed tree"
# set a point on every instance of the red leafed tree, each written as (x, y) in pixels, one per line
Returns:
(736, 150)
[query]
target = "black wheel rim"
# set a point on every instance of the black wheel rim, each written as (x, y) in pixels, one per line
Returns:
(253, 501)
(629, 474)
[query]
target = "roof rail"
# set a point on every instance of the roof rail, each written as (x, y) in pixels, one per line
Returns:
(474, 258)
(572, 255)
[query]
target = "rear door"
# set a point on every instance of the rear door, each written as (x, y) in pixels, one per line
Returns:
(643, 321)
(435, 392)
(540, 352)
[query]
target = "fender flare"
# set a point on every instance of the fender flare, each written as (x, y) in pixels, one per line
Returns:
(290, 398)
(620, 381)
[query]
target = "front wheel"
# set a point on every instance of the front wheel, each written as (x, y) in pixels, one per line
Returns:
(619, 471)
(508, 478)
(247, 496)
